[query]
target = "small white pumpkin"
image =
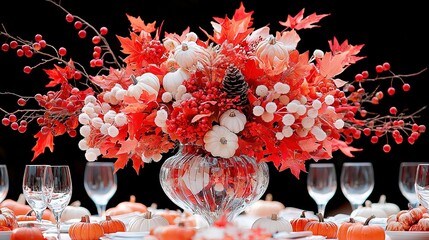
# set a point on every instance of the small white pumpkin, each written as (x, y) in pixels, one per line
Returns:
(150, 79)
(74, 211)
(187, 54)
(272, 51)
(368, 211)
(172, 80)
(145, 222)
(142, 83)
(233, 120)
(389, 208)
(273, 224)
(265, 208)
(221, 142)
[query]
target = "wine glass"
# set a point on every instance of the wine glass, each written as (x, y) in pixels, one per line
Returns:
(100, 184)
(407, 178)
(422, 184)
(4, 182)
(59, 185)
(357, 182)
(33, 187)
(322, 184)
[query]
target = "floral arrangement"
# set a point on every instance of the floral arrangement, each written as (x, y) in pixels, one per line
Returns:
(233, 90)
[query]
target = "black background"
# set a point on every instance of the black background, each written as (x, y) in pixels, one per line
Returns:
(394, 32)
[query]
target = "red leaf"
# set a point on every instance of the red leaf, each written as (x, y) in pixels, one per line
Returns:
(60, 75)
(232, 30)
(43, 141)
(138, 25)
(299, 22)
(127, 146)
(199, 116)
(332, 65)
(121, 162)
(137, 163)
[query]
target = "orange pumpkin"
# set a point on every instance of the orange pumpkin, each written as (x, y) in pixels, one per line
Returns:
(26, 217)
(396, 226)
(27, 233)
(112, 225)
(298, 224)
(20, 208)
(328, 228)
(424, 224)
(85, 230)
(344, 227)
(177, 232)
(365, 231)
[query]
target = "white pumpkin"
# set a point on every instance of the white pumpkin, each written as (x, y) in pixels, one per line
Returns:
(265, 208)
(221, 142)
(145, 222)
(270, 51)
(188, 54)
(368, 211)
(74, 211)
(233, 120)
(389, 208)
(172, 80)
(273, 224)
(149, 79)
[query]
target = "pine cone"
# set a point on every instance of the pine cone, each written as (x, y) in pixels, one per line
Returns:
(234, 85)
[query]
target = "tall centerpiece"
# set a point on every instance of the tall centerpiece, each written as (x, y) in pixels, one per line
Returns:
(232, 99)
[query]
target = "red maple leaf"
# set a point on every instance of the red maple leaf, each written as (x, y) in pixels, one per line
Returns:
(60, 75)
(299, 22)
(116, 76)
(121, 161)
(133, 47)
(43, 141)
(232, 30)
(352, 50)
(138, 24)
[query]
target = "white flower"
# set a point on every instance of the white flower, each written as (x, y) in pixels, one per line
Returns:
(221, 142)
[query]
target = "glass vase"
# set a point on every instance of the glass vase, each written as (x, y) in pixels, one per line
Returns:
(213, 187)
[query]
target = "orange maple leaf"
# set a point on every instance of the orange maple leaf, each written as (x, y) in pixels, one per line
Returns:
(299, 22)
(138, 24)
(43, 141)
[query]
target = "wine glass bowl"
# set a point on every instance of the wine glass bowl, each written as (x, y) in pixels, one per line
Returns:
(34, 190)
(357, 182)
(100, 183)
(422, 184)
(322, 184)
(58, 183)
(4, 182)
(407, 178)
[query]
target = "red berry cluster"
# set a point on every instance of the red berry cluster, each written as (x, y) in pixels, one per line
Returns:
(396, 125)
(206, 102)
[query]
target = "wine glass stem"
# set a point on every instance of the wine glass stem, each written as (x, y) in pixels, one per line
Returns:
(101, 210)
(57, 216)
(321, 208)
(355, 206)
